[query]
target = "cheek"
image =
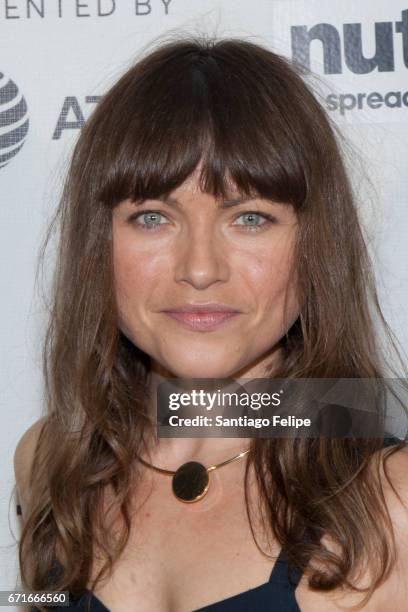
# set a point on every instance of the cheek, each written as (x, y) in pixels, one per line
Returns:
(136, 273)
(126, 271)
(134, 285)
(273, 286)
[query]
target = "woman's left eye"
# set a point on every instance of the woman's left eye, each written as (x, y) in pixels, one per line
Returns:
(254, 218)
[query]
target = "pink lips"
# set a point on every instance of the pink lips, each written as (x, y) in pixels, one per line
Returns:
(204, 317)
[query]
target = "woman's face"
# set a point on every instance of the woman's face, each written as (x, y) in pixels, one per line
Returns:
(191, 250)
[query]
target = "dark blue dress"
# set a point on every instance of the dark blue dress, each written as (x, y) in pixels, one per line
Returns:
(276, 595)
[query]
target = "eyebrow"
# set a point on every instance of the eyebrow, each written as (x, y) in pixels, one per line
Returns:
(224, 204)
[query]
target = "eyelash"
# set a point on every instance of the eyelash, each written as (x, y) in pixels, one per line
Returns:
(252, 228)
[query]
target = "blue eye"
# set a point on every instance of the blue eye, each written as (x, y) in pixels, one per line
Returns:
(151, 216)
(253, 217)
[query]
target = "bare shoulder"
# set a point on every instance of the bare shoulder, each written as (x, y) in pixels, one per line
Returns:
(395, 489)
(23, 458)
(396, 485)
(394, 590)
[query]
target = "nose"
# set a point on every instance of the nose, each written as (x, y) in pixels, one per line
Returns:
(200, 259)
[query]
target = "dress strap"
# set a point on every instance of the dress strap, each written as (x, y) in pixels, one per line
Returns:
(390, 440)
(284, 573)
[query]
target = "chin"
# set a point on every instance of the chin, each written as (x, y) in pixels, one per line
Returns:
(203, 370)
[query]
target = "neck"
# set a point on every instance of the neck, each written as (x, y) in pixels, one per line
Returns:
(170, 452)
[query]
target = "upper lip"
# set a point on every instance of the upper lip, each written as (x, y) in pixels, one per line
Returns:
(202, 307)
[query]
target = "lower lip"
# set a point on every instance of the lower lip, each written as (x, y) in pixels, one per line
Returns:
(202, 321)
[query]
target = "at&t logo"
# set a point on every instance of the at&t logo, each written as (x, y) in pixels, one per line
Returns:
(14, 120)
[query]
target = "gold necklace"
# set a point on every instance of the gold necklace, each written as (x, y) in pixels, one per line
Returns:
(191, 480)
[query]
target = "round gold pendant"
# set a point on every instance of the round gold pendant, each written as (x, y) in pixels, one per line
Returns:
(190, 482)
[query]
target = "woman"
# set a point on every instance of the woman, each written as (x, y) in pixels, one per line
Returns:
(208, 179)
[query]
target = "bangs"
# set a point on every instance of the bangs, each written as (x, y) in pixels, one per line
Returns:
(191, 105)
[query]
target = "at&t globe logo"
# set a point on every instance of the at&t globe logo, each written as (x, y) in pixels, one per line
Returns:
(13, 120)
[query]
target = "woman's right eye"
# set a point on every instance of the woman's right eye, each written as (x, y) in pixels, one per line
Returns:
(149, 219)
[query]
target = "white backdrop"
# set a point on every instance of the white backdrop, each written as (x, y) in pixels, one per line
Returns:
(58, 56)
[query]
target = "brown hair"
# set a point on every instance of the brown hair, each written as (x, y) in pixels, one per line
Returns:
(248, 114)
